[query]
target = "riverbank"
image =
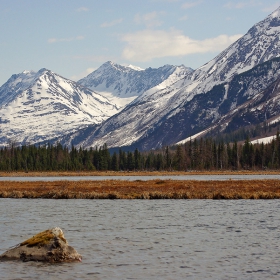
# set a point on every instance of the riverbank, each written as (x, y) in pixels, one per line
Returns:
(153, 189)
(135, 173)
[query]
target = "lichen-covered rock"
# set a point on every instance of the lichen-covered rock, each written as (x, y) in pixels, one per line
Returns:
(47, 246)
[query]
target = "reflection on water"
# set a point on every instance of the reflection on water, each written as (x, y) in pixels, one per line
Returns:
(173, 239)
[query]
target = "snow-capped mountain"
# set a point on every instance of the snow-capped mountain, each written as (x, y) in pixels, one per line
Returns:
(264, 106)
(151, 118)
(250, 98)
(164, 105)
(122, 84)
(259, 44)
(35, 106)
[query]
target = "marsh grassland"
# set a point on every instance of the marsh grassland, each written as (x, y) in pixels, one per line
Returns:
(152, 189)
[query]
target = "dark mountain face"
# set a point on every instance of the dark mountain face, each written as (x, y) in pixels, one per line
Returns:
(238, 87)
(200, 99)
(250, 98)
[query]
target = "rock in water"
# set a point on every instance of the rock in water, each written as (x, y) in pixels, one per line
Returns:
(47, 246)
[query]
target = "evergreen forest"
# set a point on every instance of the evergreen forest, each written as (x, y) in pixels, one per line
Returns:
(201, 154)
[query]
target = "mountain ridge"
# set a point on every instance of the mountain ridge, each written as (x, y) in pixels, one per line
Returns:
(154, 109)
(123, 84)
(157, 106)
(38, 105)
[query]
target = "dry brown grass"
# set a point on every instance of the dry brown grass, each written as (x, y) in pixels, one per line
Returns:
(154, 189)
(134, 173)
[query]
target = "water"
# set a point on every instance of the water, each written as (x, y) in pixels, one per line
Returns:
(145, 178)
(132, 239)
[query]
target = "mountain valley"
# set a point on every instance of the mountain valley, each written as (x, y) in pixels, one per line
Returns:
(125, 106)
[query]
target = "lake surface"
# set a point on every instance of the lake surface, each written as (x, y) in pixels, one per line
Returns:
(145, 178)
(173, 239)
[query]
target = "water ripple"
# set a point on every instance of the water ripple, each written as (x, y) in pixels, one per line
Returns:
(149, 239)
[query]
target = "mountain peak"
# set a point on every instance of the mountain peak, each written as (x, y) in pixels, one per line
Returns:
(130, 81)
(27, 72)
(43, 70)
(135, 67)
(108, 63)
(154, 116)
(44, 104)
(275, 14)
(125, 68)
(261, 43)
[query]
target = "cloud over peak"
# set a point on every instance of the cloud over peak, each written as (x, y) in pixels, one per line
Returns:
(146, 45)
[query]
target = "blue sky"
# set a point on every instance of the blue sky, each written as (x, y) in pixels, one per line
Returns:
(72, 38)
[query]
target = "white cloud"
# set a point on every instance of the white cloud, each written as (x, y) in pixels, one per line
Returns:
(82, 9)
(112, 23)
(56, 40)
(183, 18)
(150, 20)
(192, 4)
(242, 4)
(149, 44)
(82, 74)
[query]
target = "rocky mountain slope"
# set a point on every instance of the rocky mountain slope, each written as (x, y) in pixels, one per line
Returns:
(253, 95)
(166, 116)
(36, 106)
(122, 84)
(163, 106)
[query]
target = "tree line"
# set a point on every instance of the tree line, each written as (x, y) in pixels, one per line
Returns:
(251, 131)
(197, 154)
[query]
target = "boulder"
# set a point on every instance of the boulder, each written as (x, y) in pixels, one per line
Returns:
(47, 246)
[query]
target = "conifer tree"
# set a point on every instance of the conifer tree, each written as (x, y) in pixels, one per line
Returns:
(114, 164)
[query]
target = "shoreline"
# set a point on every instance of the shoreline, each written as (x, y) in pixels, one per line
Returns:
(153, 189)
(134, 173)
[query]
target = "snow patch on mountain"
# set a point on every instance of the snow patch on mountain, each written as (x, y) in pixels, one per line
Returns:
(264, 140)
(122, 84)
(193, 137)
(38, 106)
(119, 102)
(135, 67)
(158, 104)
